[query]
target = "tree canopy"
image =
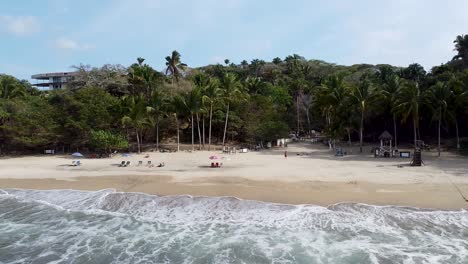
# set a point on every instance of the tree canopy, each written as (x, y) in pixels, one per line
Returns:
(117, 107)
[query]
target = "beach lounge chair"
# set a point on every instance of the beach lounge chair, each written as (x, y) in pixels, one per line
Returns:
(122, 164)
(140, 163)
(212, 164)
(73, 163)
(161, 164)
(127, 164)
(148, 164)
(78, 163)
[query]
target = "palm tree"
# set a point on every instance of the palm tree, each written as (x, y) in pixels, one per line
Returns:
(461, 47)
(174, 66)
(254, 84)
(244, 64)
(201, 82)
(458, 103)
(143, 78)
(211, 94)
(135, 116)
(156, 110)
(364, 95)
(390, 92)
(231, 90)
(178, 108)
(192, 104)
(414, 72)
(408, 101)
(438, 97)
(277, 60)
(331, 97)
(256, 65)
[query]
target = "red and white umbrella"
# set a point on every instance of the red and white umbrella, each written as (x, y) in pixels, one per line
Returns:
(215, 157)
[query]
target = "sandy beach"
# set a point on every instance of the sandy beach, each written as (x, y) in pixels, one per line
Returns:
(310, 175)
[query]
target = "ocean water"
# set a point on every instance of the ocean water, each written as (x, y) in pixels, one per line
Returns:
(68, 226)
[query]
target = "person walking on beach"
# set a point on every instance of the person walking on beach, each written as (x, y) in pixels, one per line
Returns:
(286, 154)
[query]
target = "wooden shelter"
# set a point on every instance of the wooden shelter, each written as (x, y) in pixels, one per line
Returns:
(386, 149)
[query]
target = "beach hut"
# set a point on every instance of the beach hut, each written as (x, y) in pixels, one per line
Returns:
(386, 149)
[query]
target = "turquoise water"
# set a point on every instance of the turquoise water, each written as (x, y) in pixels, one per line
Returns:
(67, 226)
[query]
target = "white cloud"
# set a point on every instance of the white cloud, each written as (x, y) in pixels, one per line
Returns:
(19, 25)
(403, 32)
(70, 44)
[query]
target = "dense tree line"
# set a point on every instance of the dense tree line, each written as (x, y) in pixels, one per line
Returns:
(107, 108)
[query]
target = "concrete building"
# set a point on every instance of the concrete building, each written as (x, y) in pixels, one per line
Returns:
(54, 80)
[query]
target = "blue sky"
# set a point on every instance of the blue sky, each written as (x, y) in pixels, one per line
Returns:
(53, 35)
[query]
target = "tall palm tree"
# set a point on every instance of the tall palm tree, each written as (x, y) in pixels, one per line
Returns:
(297, 87)
(331, 98)
(364, 96)
(409, 99)
(177, 109)
(458, 104)
(135, 116)
(438, 98)
(143, 78)
(211, 94)
(174, 66)
(202, 83)
(461, 47)
(390, 91)
(192, 104)
(231, 90)
(156, 111)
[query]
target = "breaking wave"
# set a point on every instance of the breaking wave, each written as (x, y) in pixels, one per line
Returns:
(69, 226)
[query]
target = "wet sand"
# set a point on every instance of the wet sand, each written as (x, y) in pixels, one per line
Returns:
(310, 175)
(439, 196)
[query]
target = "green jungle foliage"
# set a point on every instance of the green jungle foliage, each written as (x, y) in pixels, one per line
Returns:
(105, 109)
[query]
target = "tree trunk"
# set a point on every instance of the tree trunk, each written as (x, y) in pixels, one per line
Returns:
(456, 131)
(395, 131)
(349, 136)
(308, 120)
(209, 129)
(203, 131)
(157, 134)
(297, 114)
(199, 133)
(193, 137)
(414, 131)
(177, 125)
(225, 124)
(361, 130)
(138, 140)
(438, 132)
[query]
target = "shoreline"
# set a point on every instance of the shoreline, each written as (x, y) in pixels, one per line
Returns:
(437, 196)
(310, 175)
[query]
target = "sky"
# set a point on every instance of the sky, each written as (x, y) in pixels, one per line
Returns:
(53, 35)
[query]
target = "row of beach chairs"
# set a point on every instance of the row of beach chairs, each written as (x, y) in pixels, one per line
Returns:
(140, 163)
(216, 164)
(76, 163)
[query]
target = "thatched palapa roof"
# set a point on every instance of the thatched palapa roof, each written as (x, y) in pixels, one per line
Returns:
(385, 136)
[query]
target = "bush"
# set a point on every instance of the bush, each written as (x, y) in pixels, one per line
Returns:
(105, 141)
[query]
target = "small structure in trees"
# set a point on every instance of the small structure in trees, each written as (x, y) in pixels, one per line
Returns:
(386, 149)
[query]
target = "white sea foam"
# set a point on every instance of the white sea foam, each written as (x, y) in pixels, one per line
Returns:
(108, 226)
